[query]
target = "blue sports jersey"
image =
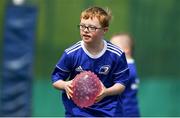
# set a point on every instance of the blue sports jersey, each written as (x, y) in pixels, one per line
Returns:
(109, 65)
(129, 96)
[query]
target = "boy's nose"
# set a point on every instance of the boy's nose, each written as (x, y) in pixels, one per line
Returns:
(86, 29)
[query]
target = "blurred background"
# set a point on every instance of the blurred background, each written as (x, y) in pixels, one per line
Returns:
(52, 27)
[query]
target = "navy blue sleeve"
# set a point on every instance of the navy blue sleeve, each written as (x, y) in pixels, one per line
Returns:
(121, 73)
(62, 69)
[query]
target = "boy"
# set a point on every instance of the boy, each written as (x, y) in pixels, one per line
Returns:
(94, 54)
(129, 96)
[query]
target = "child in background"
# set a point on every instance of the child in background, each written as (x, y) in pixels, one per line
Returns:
(129, 96)
(93, 53)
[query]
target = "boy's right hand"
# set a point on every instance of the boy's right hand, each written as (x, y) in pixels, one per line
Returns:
(68, 88)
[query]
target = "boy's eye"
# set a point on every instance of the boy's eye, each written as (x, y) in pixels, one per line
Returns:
(82, 26)
(92, 28)
(89, 28)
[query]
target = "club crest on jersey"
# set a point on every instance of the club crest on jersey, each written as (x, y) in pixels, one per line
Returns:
(79, 69)
(104, 69)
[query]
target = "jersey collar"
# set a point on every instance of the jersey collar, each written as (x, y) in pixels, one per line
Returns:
(94, 56)
(130, 61)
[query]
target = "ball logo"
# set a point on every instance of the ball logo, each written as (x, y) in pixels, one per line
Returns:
(104, 69)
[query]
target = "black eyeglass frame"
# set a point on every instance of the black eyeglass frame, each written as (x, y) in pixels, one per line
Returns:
(88, 28)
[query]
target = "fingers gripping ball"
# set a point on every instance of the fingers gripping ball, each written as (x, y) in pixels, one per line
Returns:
(86, 87)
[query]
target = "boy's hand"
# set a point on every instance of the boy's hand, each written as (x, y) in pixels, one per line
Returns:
(102, 94)
(68, 89)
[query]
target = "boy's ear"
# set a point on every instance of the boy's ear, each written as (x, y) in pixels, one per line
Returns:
(106, 29)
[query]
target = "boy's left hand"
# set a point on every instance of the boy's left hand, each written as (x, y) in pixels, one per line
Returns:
(102, 94)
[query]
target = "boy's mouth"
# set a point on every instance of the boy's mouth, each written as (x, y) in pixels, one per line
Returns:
(86, 36)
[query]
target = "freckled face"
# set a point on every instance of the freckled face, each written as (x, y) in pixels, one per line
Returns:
(91, 36)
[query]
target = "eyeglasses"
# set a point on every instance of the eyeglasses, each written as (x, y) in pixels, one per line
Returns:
(89, 28)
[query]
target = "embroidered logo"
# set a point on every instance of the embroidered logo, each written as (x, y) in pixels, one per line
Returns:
(79, 69)
(104, 70)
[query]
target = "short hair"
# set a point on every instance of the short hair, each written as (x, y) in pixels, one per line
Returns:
(131, 40)
(104, 16)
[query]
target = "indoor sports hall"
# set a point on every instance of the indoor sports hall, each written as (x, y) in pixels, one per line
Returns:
(34, 34)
